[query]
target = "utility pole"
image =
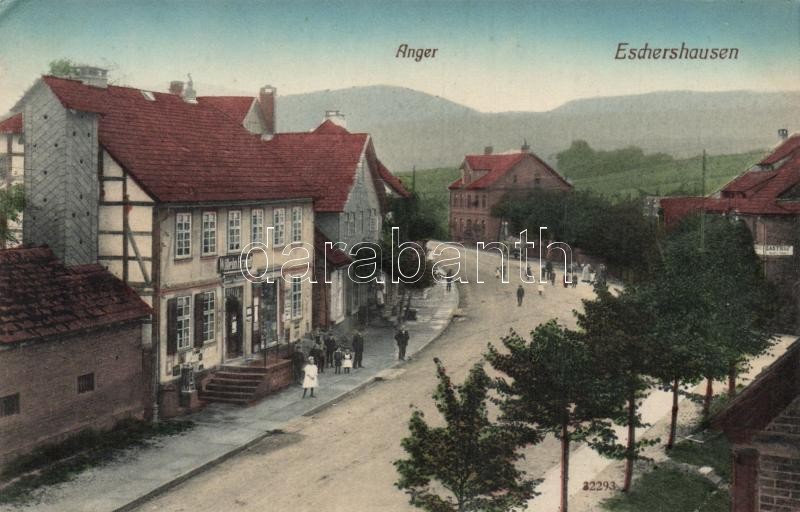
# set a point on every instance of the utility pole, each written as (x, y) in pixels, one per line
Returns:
(703, 205)
(414, 179)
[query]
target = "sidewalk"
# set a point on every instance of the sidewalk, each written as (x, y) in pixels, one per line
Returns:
(222, 431)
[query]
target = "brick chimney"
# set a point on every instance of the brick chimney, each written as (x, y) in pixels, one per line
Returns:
(488, 150)
(525, 147)
(783, 133)
(176, 87)
(266, 102)
(336, 117)
(189, 94)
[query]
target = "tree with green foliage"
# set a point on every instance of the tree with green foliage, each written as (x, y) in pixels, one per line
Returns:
(413, 216)
(470, 457)
(731, 294)
(615, 330)
(551, 387)
(616, 232)
(61, 67)
(12, 202)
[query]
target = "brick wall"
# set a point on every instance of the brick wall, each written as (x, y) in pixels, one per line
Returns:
(45, 374)
(779, 484)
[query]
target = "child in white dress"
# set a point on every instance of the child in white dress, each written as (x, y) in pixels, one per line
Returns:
(347, 361)
(310, 377)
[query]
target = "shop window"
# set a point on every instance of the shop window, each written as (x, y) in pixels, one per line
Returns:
(297, 298)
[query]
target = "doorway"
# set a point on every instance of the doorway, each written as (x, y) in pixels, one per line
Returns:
(234, 328)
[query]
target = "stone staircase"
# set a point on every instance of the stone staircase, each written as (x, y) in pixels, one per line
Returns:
(234, 385)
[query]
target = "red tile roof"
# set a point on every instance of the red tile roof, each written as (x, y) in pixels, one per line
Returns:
(184, 152)
(756, 192)
(497, 166)
(179, 151)
(784, 149)
(40, 297)
(335, 256)
(12, 124)
(328, 162)
(235, 107)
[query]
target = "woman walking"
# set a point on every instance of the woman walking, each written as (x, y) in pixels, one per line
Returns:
(310, 378)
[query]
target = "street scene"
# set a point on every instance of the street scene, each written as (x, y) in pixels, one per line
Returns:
(390, 256)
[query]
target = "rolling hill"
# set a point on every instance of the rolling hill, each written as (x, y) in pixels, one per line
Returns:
(412, 128)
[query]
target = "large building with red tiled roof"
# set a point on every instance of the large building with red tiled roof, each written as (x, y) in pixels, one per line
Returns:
(166, 190)
(767, 198)
(70, 349)
(485, 180)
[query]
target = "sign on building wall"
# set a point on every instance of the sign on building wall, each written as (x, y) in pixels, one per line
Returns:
(774, 250)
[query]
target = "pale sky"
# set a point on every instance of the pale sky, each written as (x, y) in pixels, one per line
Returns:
(492, 56)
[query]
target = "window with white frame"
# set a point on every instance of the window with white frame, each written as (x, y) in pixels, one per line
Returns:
(209, 233)
(279, 223)
(257, 226)
(297, 224)
(297, 298)
(184, 321)
(183, 235)
(209, 316)
(234, 231)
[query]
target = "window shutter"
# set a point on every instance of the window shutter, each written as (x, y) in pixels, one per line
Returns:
(172, 326)
(199, 308)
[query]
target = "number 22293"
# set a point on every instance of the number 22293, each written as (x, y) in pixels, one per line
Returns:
(599, 486)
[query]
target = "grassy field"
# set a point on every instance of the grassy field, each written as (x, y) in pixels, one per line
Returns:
(671, 178)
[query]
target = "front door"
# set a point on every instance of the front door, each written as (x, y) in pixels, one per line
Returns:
(234, 330)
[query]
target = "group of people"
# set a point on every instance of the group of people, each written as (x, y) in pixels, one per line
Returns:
(328, 352)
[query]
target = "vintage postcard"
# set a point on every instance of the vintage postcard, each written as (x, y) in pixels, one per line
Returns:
(373, 255)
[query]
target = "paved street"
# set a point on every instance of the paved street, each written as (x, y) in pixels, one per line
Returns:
(341, 459)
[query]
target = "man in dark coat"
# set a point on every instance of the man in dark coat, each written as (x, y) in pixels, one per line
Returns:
(402, 342)
(520, 294)
(298, 361)
(358, 349)
(330, 348)
(319, 357)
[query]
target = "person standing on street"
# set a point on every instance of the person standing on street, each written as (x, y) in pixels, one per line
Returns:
(310, 380)
(552, 278)
(520, 295)
(330, 348)
(319, 356)
(402, 342)
(298, 361)
(449, 279)
(358, 349)
(338, 356)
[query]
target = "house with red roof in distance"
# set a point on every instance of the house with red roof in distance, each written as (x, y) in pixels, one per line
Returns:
(485, 180)
(70, 350)
(12, 163)
(767, 198)
(168, 191)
